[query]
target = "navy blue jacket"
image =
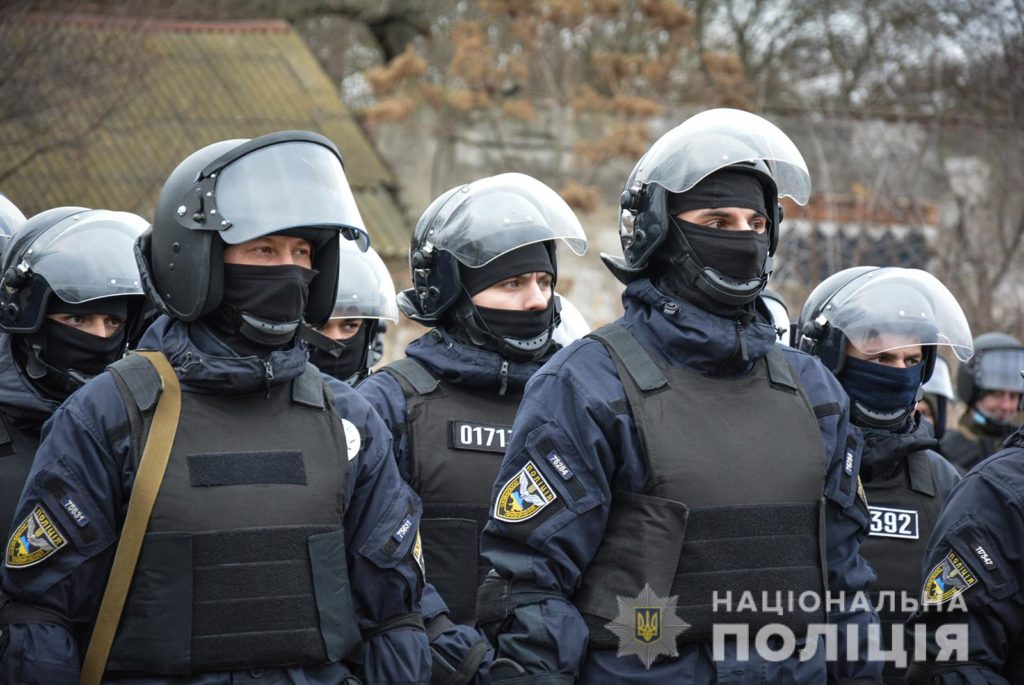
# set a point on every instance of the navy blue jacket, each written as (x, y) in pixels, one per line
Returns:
(98, 473)
(465, 366)
(25, 410)
(980, 529)
(577, 403)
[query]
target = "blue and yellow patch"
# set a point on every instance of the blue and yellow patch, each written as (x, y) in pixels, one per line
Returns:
(34, 540)
(524, 496)
(949, 578)
(648, 624)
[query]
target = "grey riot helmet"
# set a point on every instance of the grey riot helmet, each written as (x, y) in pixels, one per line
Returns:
(779, 311)
(365, 292)
(998, 364)
(71, 260)
(290, 182)
(879, 310)
(699, 147)
(473, 226)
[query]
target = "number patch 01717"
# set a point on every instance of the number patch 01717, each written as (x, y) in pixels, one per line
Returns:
(893, 523)
(479, 437)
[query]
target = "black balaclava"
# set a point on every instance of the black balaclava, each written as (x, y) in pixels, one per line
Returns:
(261, 308)
(881, 396)
(739, 255)
(515, 334)
(346, 360)
(58, 358)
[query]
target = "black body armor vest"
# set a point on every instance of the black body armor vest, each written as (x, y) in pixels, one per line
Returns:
(243, 564)
(17, 450)
(733, 500)
(457, 439)
(903, 510)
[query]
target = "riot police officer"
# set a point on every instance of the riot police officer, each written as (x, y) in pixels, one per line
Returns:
(879, 330)
(991, 387)
(971, 579)
(484, 270)
(70, 298)
(281, 540)
(644, 489)
(342, 347)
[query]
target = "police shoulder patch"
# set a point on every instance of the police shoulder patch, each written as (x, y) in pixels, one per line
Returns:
(949, 578)
(34, 540)
(523, 496)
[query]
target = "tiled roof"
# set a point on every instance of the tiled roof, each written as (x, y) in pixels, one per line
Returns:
(191, 83)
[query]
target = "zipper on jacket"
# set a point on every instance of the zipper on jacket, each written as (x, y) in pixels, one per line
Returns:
(503, 375)
(268, 374)
(740, 330)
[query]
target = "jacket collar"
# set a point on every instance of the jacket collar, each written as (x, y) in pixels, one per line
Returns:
(19, 399)
(466, 365)
(686, 335)
(206, 365)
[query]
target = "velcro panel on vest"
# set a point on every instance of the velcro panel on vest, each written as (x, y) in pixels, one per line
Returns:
(451, 557)
(246, 468)
(781, 542)
(641, 546)
(254, 601)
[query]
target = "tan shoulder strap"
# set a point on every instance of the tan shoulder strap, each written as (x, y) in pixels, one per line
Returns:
(140, 506)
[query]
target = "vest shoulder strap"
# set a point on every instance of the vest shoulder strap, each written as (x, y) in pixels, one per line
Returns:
(635, 359)
(919, 470)
(140, 379)
(308, 388)
(780, 373)
(414, 374)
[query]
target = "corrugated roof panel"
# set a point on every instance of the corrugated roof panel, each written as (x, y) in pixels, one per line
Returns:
(196, 83)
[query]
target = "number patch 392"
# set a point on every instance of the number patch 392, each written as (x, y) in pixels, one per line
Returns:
(893, 523)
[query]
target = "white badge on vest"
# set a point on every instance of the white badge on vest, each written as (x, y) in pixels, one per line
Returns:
(352, 440)
(893, 523)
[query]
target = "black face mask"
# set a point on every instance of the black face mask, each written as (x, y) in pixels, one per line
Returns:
(342, 359)
(738, 255)
(262, 305)
(60, 358)
(521, 335)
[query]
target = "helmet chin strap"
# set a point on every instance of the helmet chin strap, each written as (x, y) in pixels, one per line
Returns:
(37, 369)
(468, 318)
(264, 332)
(719, 287)
(866, 417)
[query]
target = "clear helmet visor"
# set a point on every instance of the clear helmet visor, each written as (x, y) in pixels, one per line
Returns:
(487, 218)
(572, 326)
(365, 288)
(941, 383)
(89, 256)
(11, 217)
(718, 138)
(894, 308)
(1000, 369)
(287, 185)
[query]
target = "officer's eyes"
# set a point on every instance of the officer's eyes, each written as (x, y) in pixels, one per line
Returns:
(114, 322)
